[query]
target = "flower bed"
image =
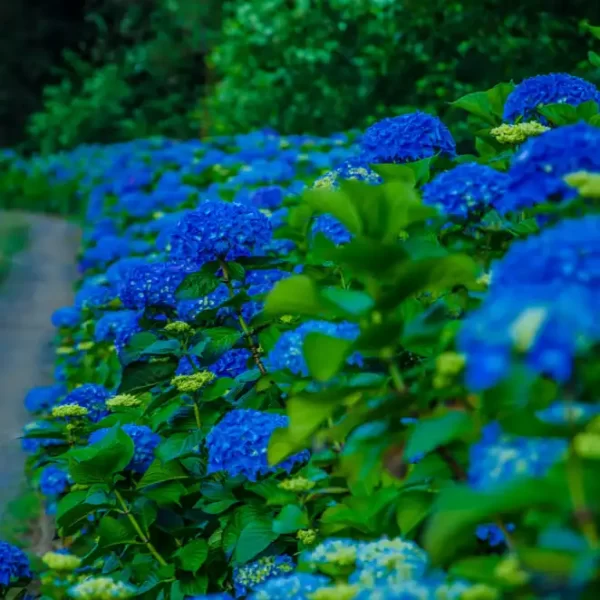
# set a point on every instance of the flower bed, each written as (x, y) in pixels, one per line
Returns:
(287, 376)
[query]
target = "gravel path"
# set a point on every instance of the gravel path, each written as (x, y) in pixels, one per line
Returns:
(40, 281)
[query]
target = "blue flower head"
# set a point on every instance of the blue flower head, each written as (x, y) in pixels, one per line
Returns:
(539, 166)
(288, 350)
(492, 534)
(404, 558)
(188, 310)
(499, 458)
(32, 445)
(232, 363)
(111, 322)
(556, 88)
(43, 398)
(429, 588)
(14, 564)
(269, 197)
(247, 577)
(332, 229)
(53, 481)
(144, 441)
(238, 444)
(153, 284)
(298, 586)
(68, 316)
(220, 230)
(466, 189)
(93, 295)
(356, 169)
(90, 396)
(565, 413)
(406, 138)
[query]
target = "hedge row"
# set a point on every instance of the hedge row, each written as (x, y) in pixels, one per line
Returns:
(379, 381)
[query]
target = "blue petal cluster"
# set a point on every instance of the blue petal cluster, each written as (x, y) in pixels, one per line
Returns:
(287, 353)
(298, 586)
(53, 481)
(539, 166)
(68, 316)
(406, 138)
(556, 88)
(568, 413)
(238, 444)
(268, 198)
(109, 325)
(43, 398)
(356, 169)
(90, 396)
(247, 577)
(94, 295)
(492, 534)
(259, 283)
(144, 441)
(220, 230)
(232, 363)
(466, 189)
(499, 458)
(332, 229)
(14, 564)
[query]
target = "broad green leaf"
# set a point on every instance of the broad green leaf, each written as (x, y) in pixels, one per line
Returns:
(416, 173)
(166, 493)
(477, 568)
(594, 30)
(297, 296)
(221, 339)
(291, 518)
(253, 539)
(336, 203)
(71, 509)
(283, 444)
(325, 355)
(353, 302)
(308, 411)
(370, 258)
(158, 472)
(486, 105)
(163, 348)
(136, 346)
(193, 555)
(198, 285)
(413, 507)
(113, 532)
(215, 508)
(429, 434)
(559, 114)
(140, 376)
(185, 587)
(178, 445)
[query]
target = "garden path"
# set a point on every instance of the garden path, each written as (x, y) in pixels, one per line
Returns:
(40, 281)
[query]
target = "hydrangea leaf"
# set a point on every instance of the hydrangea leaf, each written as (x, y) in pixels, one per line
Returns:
(291, 518)
(413, 507)
(559, 114)
(254, 538)
(325, 355)
(486, 105)
(140, 376)
(158, 472)
(193, 555)
(198, 285)
(113, 532)
(337, 204)
(296, 295)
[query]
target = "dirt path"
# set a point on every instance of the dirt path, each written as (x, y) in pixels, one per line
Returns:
(40, 281)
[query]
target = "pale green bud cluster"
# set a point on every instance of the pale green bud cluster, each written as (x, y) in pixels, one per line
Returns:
(61, 562)
(178, 327)
(123, 401)
(516, 134)
(447, 366)
(69, 410)
(307, 536)
(341, 591)
(297, 484)
(101, 588)
(192, 383)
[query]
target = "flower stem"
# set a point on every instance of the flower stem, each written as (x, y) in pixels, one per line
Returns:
(583, 513)
(139, 530)
(197, 415)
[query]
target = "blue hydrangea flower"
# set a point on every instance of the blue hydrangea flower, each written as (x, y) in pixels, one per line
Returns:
(90, 396)
(404, 558)
(232, 363)
(238, 444)
(107, 250)
(68, 316)
(565, 413)
(466, 189)
(32, 445)
(406, 138)
(188, 310)
(53, 481)
(499, 458)
(288, 350)
(118, 270)
(539, 166)
(153, 284)
(356, 169)
(220, 230)
(268, 198)
(43, 398)
(492, 534)
(556, 88)
(14, 564)
(186, 365)
(109, 325)
(332, 229)
(415, 589)
(259, 283)
(94, 295)
(298, 586)
(144, 440)
(247, 577)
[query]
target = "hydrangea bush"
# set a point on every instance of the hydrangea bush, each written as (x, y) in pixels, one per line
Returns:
(355, 367)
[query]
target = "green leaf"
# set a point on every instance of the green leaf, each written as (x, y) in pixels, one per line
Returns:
(165, 494)
(559, 114)
(179, 444)
(308, 411)
(99, 462)
(143, 375)
(253, 539)
(290, 519)
(337, 204)
(295, 295)
(193, 555)
(486, 105)
(477, 568)
(136, 346)
(215, 508)
(370, 258)
(354, 302)
(158, 472)
(416, 173)
(325, 355)
(112, 532)
(594, 30)
(236, 271)
(429, 434)
(283, 444)
(198, 285)
(221, 339)
(72, 509)
(163, 348)
(413, 507)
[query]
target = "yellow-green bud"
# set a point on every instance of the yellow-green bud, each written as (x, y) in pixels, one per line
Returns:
(101, 588)
(587, 445)
(192, 383)
(78, 487)
(297, 484)
(449, 363)
(307, 536)
(286, 318)
(158, 214)
(341, 591)
(326, 182)
(69, 410)
(509, 571)
(516, 134)
(61, 562)
(64, 350)
(84, 346)
(484, 279)
(178, 327)
(480, 591)
(587, 184)
(123, 401)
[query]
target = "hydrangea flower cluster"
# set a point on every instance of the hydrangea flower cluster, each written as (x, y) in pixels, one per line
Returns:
(232, 363)
(54, 481)
(91, 397)
(466, 189)
(144, 441)
(68, 316)
(556, 88)
(42, 399)
(288, 350)
(219, 230)
(332, 229)
(298, 586)
(247, 577)
(407, 138)
(14, 564)
(238, 444)
(354, 169)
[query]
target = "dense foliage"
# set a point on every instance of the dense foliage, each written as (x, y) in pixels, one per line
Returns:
(360, 367)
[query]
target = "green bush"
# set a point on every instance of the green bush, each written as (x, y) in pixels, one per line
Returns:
(321, 66)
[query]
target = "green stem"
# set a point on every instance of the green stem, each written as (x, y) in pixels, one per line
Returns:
(139, 530)
(397, 377)
(583, 514)
(197, 415)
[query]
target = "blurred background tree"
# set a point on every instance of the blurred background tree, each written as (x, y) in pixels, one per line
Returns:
(111, 70)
